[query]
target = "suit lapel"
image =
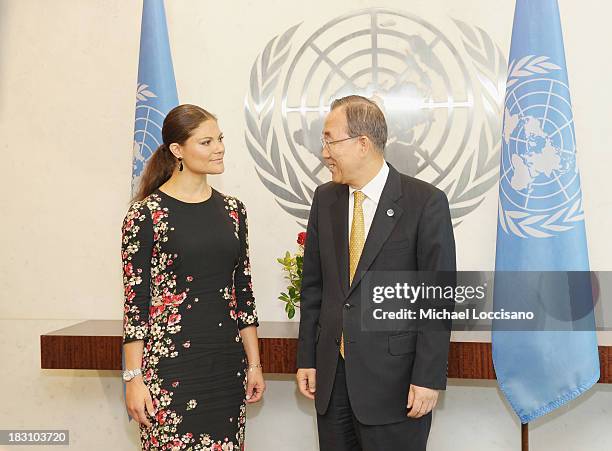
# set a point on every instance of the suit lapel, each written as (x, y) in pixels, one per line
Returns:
(339, 220)
(382, 225)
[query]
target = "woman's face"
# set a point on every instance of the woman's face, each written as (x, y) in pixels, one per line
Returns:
(204, 150)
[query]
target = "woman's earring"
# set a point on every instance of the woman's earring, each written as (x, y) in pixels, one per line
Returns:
(180, 163)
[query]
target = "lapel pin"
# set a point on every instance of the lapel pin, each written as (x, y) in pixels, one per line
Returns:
(390, 212)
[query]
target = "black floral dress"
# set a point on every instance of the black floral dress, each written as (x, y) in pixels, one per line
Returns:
(188, 292)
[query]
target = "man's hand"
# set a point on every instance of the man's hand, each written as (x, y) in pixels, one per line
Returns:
(307, 381)
(421, 401)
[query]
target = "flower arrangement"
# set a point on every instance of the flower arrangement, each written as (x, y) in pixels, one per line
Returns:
(292, 266)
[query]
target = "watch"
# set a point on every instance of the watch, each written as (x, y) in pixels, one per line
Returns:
(128, 375)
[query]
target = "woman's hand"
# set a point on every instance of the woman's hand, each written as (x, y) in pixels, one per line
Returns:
(255, 385)
(137, 398)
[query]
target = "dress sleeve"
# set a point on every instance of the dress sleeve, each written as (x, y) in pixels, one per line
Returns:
(246, 313)
(136, 248)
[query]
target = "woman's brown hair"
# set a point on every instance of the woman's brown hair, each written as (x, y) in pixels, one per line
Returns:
(178, 126)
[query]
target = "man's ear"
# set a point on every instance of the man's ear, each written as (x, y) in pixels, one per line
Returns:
(365, 143)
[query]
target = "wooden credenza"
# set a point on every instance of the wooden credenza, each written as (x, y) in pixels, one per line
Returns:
(96, 345)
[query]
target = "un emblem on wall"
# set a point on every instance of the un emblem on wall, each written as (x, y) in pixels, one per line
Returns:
(540, 193)
(443, 109)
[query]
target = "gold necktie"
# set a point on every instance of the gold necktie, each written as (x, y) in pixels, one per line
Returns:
(356, 243)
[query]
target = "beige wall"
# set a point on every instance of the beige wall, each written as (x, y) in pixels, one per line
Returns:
(67, 81)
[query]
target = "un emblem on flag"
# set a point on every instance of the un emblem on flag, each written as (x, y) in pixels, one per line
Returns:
(442, 98)
(147, 131)
(540, 192)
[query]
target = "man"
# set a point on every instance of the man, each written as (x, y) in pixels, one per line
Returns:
(373, 391)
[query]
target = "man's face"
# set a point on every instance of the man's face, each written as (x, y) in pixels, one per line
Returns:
(341, 158)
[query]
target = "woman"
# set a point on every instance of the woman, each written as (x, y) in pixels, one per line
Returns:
(190, 322)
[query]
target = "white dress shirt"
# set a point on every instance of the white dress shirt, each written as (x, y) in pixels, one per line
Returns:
(372, 190)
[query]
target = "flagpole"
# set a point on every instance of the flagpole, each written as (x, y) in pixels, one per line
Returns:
(525, 437)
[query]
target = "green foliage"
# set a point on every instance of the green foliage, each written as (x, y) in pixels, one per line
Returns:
(292, 267)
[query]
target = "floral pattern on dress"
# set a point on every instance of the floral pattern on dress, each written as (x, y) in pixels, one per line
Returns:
(144, 230)
(240, 296)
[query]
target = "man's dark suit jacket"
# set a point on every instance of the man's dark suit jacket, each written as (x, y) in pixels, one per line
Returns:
(380, 366)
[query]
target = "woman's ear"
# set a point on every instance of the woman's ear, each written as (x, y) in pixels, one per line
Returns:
(176, 150)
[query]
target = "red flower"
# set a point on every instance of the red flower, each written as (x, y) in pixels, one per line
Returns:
(234, 215)
(156, 310)
(128, 269)
(157, 216)
(161, 416)
(174, 299)
(173, 319)
(301, 238)
(216, 447)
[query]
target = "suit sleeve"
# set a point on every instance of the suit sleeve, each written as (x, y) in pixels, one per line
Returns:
(311, 292)
(246, 313)
(136, 248)
(436, 255)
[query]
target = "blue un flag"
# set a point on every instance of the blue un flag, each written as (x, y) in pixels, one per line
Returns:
(156, 88)
(155, 91)
(541, 227)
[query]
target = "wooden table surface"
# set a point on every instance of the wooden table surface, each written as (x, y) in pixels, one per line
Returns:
(96, 345)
